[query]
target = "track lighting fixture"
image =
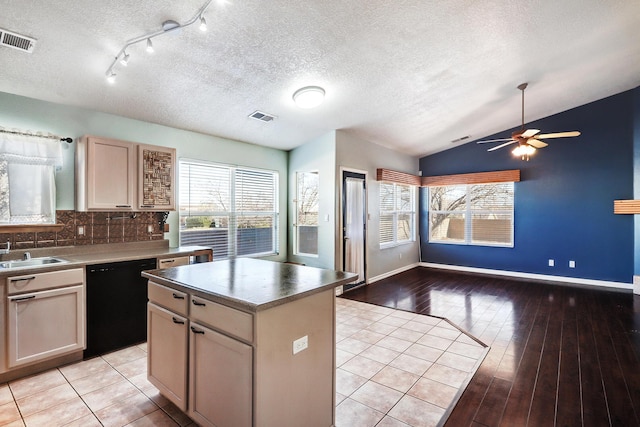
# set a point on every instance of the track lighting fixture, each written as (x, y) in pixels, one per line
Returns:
(169, 26)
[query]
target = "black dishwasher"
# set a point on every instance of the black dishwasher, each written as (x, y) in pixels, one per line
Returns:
(116, 305)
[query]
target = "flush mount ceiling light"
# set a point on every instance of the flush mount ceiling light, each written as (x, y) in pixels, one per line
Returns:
(308, 97)
(169, 26)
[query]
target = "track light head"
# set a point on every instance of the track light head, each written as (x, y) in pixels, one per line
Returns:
(111, 77)
(125, 59)
(149, 46)
(203, 24)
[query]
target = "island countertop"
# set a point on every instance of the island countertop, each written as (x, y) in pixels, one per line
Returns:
(249, 284)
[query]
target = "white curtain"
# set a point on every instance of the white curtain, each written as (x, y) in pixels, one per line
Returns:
(27, 178)
(354, 228)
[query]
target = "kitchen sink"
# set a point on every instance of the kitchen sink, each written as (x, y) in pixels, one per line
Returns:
(33, 262)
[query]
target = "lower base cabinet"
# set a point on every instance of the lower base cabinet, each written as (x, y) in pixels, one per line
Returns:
(220, 379)
(167, 348)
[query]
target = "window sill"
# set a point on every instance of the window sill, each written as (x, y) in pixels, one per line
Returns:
(30, 228)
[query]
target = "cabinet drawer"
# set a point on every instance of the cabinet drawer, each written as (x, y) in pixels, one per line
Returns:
(173, 262)
(222, 318)
(52, 279)
(171, 299)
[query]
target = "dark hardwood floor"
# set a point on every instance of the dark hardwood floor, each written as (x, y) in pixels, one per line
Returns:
(560, 355)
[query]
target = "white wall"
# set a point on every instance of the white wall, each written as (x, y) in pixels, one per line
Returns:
(358, 154)
(31, 114)
(318, 155)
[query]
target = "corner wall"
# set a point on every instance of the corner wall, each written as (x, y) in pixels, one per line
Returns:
(318, 155)
(353, 153)
(564, 203)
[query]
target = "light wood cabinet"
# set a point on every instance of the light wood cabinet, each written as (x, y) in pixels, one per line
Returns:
(42, 324)
(167, 340)
(172, 262)
(114, 175)
(156, 178)
(105, 174)
(220, 379)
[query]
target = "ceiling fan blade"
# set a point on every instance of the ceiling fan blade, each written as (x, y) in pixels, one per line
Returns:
(537, 143)
(529, 133)
(558, 135)
(501, 145)
(494, 140)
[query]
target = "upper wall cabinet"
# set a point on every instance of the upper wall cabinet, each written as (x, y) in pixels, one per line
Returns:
(156, 178)
(114, 175)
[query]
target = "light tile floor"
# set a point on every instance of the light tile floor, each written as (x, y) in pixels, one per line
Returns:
(394, 368)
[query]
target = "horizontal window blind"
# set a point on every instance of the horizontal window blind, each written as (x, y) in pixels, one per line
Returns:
(397, 213)
(230, 209)
(480, 214)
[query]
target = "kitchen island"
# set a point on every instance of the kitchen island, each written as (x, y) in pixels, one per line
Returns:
(245, 342)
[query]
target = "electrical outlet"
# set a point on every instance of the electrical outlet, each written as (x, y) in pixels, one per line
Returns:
(572, 264)
(149, 228)
(80, 230)
(300, 344)
(551, 263)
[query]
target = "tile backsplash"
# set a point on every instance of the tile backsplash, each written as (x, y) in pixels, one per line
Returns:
(92, 228)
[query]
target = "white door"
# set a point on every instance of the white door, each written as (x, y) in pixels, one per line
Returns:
(354, 220)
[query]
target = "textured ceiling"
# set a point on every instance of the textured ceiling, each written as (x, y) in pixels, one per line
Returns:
(409, 74)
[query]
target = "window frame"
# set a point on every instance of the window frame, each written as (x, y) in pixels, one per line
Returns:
(395, 213)
(468, 215)
(296, 223)
(234, 213)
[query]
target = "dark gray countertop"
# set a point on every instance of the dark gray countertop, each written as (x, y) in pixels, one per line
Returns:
(250, 284)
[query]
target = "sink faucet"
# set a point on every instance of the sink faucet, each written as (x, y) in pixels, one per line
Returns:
(26, 256)
(7, 249)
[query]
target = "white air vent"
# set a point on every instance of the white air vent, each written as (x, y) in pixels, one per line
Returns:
(461, 139)
(263, 117)
(16, 41)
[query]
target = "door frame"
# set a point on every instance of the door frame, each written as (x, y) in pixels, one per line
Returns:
(340, 229)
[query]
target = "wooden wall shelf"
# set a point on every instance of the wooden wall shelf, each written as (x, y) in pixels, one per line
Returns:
(626, 207)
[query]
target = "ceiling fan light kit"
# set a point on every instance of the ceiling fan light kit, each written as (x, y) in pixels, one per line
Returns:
(528, 140)
(168, 26)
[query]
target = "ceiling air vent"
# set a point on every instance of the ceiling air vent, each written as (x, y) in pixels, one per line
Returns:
(16, 41)
(461, 139)
(263, 117)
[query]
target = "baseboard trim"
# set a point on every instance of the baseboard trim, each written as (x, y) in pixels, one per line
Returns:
(391, 273)
(533, 276)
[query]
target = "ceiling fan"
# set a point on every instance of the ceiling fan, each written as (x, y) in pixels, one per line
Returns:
(528, 140)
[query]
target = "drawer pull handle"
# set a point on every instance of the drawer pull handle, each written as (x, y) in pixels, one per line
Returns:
(22, 298)
(176, 296)
(197, 331)
(201, 304)
(147, 206)
(20, 279)
(176, 321)
(167, 261)
(123, 206)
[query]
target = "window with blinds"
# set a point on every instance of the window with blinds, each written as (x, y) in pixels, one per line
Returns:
(397, 214)
(231, 209)
(479, 214)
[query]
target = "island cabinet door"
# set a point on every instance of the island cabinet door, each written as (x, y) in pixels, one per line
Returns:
(167, 335)
(220, 379)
